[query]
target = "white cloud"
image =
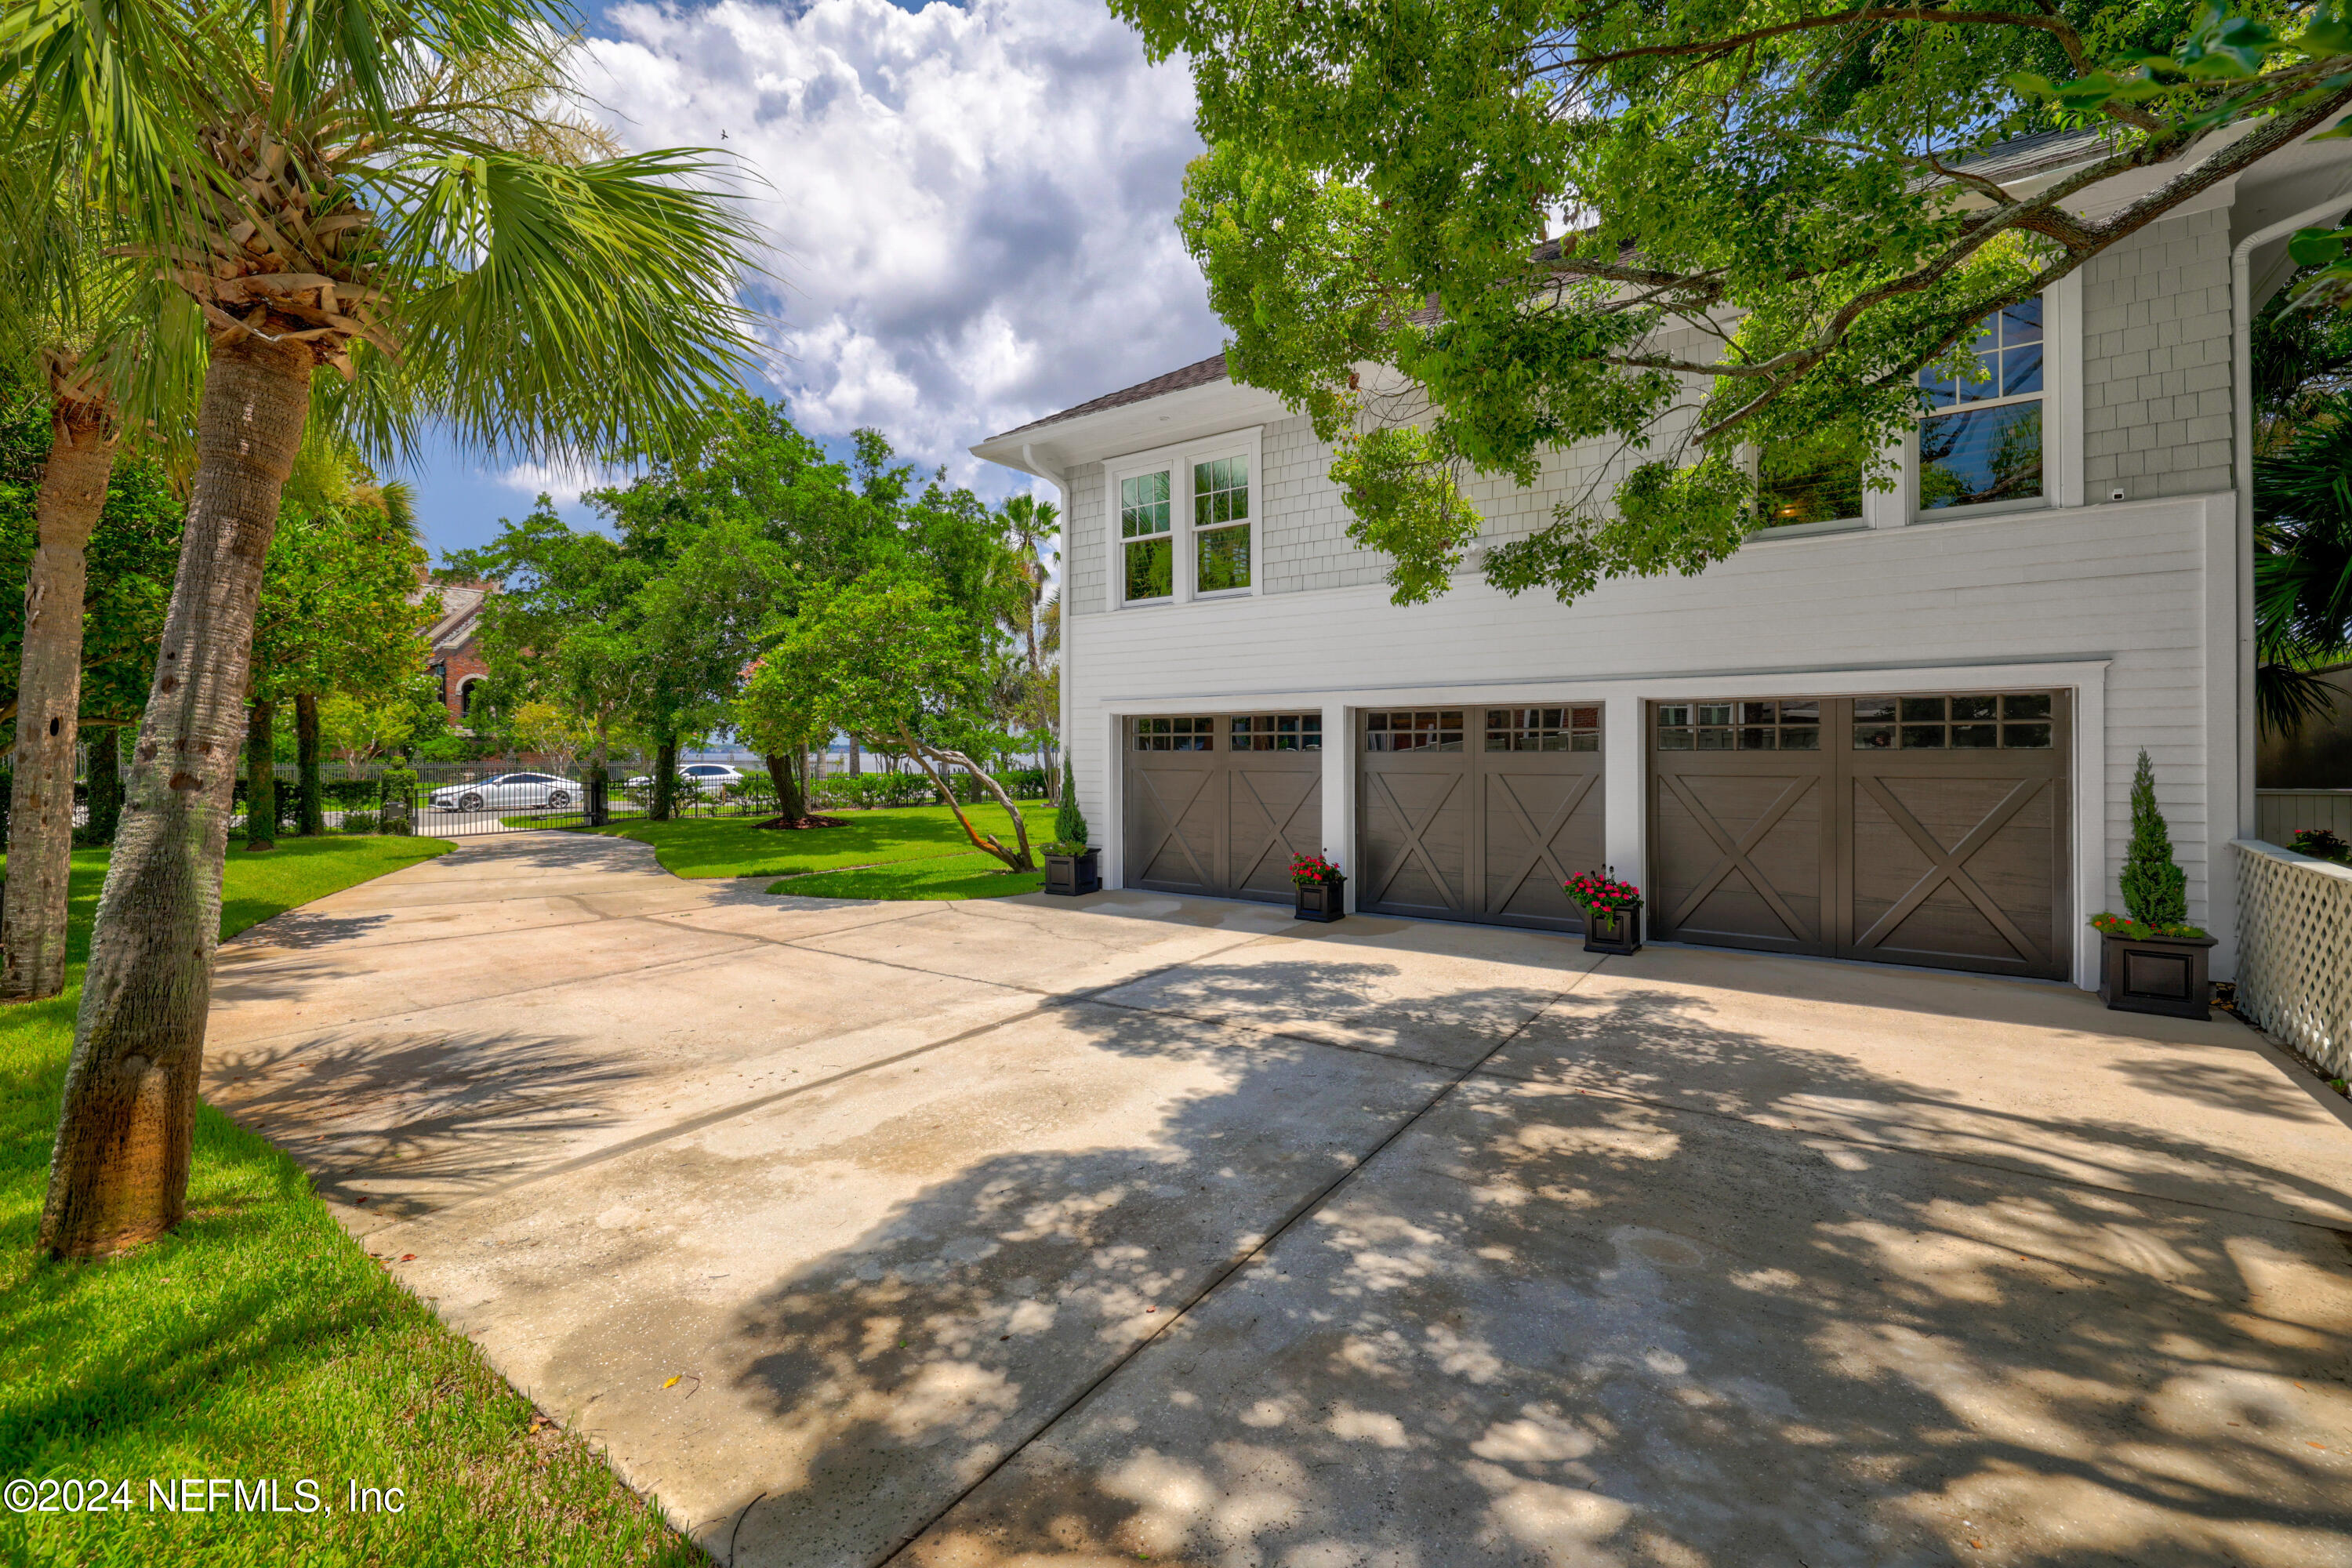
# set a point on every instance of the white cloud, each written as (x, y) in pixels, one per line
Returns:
(972, 205)
(562, 483)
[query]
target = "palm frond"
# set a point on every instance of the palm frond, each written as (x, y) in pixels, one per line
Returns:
(587, 310)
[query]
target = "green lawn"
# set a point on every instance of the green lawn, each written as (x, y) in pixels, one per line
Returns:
(259, 1342)
(950, 877)
(731, 846)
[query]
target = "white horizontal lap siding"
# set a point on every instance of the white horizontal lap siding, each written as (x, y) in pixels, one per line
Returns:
(2120, 583)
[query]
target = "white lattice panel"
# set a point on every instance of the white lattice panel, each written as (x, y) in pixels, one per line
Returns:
(2294, 962)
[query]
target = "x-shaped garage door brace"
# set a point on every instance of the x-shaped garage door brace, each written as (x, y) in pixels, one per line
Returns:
(1279, 832)
(1735, 856)
(1950, 866)
(1542, 841)
(1175, 821)
(1414, 847)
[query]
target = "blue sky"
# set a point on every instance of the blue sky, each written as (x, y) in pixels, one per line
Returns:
(970, 209)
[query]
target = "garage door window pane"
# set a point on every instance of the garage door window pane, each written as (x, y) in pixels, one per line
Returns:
(1423, 730)
(1543, 729)
(1187, 734)
(1278, 733)
(1962, 721)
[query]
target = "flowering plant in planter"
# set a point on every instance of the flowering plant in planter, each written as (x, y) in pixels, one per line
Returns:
(2140, 930)
(1599, 891)
(1305, 870)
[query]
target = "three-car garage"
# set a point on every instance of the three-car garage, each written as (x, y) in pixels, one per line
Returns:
(1923, 827)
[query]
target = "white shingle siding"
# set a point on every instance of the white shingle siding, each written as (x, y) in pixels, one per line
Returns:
(1085, 558)
(2156, 360)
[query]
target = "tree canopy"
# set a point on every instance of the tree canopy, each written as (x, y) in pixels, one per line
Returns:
(1774, 218)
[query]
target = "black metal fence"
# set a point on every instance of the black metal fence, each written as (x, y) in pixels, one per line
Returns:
(446, 801)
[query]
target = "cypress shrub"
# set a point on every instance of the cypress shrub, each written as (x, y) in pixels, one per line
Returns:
(2156, 890)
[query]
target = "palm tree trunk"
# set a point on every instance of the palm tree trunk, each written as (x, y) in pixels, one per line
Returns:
(261, 777)
(305, 763)
(105, 782)
(48, 704)
(119, 1171)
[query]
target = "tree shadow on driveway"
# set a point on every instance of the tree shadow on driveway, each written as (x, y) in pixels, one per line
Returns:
(1548, 1323)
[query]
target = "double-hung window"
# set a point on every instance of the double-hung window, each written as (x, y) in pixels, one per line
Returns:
(1187, 522)
(1145, 512)
(1221, 531)
(1980, 440)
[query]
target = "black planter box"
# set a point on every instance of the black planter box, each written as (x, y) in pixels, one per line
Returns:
(1324, 902)
(1070, 875)
(1614, 930)
(2161, 974)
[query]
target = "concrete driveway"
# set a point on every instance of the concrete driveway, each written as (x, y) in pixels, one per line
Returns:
(1137, 1228)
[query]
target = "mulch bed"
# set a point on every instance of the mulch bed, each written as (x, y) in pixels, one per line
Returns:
(793, 823)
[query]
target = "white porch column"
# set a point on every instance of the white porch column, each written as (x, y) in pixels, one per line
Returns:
(1624, 835)
(1339, 792)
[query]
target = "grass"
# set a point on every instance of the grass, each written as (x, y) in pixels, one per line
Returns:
(731, 846)
(950, 877)
(259, 1342)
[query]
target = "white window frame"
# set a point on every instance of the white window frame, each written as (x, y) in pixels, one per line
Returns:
(2062, 440)
(2061, 425)
(1247, 444)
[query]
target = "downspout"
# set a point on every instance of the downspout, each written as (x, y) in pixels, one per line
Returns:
(2242, 355)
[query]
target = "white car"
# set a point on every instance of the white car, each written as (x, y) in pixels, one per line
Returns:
(701, 777)
(507, 791)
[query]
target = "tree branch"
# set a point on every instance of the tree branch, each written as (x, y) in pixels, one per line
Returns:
(1716, 48)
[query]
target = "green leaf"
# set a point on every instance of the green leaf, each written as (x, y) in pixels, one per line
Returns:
(2318, 247)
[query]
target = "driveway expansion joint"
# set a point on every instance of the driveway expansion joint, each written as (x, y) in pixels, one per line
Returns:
(1217, 1277)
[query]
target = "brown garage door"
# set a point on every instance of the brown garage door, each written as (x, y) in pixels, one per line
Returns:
(1480, 814)
(1216, 804)
(1927, 828)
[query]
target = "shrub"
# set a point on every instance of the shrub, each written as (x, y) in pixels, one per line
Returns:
(358, 822)
(1069, 822)
(2321, 844)
(2156, 890)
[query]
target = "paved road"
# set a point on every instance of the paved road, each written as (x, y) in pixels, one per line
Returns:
(1075, 1232)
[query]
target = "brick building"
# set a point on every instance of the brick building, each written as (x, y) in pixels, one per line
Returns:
(457, 662)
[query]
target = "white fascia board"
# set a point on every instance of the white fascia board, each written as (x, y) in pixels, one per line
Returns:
(1168, 420)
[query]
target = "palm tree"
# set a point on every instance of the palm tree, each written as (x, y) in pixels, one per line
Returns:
(2303, 569)
(84, 327)
(1033, 523)
(384, 191)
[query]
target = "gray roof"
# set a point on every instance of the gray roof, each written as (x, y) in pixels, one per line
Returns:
(1212, 369)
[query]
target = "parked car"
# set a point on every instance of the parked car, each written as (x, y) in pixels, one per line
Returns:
(702, 777)
(507, 791)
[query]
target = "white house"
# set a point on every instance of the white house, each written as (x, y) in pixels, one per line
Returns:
(1903, 734)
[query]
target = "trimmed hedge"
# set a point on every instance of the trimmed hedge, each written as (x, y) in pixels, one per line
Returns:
(869, 791)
